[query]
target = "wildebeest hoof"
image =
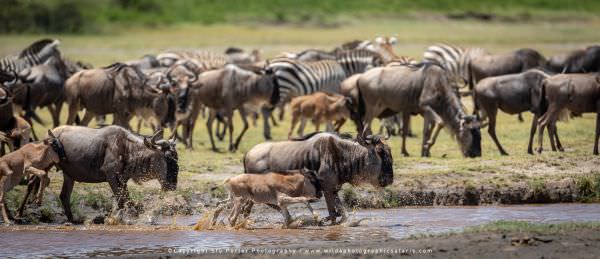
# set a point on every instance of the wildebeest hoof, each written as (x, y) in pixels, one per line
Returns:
(405, 154)
(539, 150)
(504, 153)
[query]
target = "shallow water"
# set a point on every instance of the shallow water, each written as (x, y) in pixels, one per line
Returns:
(35, 241)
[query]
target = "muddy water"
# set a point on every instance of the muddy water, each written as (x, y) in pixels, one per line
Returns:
(31, 241)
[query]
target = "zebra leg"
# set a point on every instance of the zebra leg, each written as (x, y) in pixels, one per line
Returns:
(266, 113)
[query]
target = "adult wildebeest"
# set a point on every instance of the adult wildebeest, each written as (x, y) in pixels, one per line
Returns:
(423, 89)
(577, 93)
(336, 161)
(578, 61)
(512, 94)
(486, 65)
(42, 86)
(113, 154)
(228, 89)
(118, 89)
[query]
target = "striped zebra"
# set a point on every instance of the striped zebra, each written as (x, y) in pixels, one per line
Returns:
(401, 61)
(35, 54)
(205, 60)
(358, 61)
(454, 59)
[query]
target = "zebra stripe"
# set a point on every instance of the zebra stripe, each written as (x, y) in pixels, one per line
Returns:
(454, 59)
(204, 59)
(401, 61)
(358, 60)
(35, 54)
(296, 78)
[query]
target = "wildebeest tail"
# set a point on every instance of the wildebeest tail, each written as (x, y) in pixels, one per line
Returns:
(362, 109)
(471, 80)
(543, 102)
(275, 95)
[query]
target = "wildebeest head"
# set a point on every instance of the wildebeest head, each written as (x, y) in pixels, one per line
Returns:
(469, 136)
(181, 75)
(57, 146)
(168, 178)
(380, 155)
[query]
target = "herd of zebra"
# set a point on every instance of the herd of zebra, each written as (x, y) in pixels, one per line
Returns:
(171, 89)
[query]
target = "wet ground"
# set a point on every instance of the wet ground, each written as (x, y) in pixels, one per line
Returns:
(175, 233)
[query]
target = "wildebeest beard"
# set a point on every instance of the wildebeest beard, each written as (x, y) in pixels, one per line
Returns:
(475, 148)
(182, 100)
(386, 175)
(172, 169)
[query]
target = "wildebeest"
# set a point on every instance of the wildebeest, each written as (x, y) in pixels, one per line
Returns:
(423, 89)
(276, 188)
(577, 93)
(146, 62)
(578, 61)
(42, 86)
(486, 65)
(14, 130)
(321, 108)
(512, 94)
(113, 154)
(239, 57)
(118, 89)
(228, 89)
(335, 160)
(33, 159)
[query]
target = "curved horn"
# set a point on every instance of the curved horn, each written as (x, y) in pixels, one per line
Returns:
(155, 137)
(51, 134)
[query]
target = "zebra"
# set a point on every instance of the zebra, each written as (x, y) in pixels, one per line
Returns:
(35, 54)
(401, 61)
(358, 60)
(381, 45)
(205, 60)
(454, 59)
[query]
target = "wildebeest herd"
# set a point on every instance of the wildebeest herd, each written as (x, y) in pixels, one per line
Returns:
(359, 80)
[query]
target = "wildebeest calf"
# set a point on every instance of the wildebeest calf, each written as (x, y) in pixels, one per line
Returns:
(275, 188)
(321, 107)
(31, 159)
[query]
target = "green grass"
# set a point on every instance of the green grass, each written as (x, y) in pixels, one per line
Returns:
(202, 169)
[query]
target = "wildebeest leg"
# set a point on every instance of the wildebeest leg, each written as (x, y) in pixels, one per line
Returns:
(211, 117)
(330, 201)
(404, 131)
(492, 113)
(436, 132)
(426, 135)
(295, 118)
(73, 109)
(5, 213)
(87, 118)
(543, 122)
(340, 207)
(266, 113)
(302, 125)
(281, 112)
(597, 129)
(235, 212)
(32, 186)
(558, 144)
(65, 196)
(338, 124)
(230, 126)
(242, 112)
(54, 114)
(44, 180)
(532, 133)
(520, 117)
(218, 211)
(551, 133)
(248, 208)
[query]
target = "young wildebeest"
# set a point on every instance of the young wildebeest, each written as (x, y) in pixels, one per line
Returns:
(512, 94)
(578, 93)
(321, 107)
(336, 161)
(423, 89)
(226, 90)
(578, 61)
(279, 188)
(33, 159)
(113, 154)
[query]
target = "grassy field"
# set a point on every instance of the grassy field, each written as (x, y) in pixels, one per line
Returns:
(202, 168)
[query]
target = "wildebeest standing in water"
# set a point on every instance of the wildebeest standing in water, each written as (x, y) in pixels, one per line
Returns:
(113, 154)
(578, 61)
(512, 94)
(335, 160)
(424, 89)
(577, 93)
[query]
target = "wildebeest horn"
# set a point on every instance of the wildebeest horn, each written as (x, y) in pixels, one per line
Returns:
(156, 135)
(51, 134)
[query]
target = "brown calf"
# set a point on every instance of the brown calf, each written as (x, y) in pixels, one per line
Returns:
(321, 107)
(280, 189)
(31, 159)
